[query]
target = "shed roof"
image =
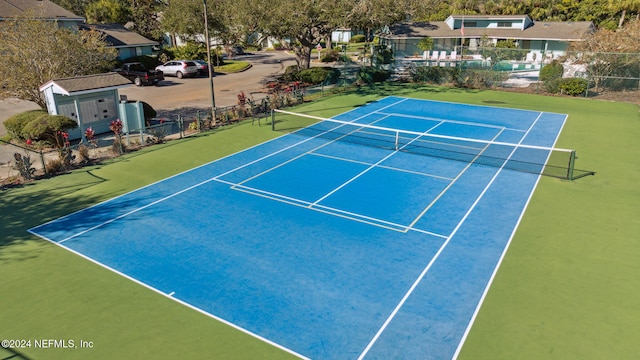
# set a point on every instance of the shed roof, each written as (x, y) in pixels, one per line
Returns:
(119, 36)
(87, 84)
(41, 9)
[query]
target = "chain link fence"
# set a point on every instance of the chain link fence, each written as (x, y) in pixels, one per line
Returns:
(472, 68)
(506, 67)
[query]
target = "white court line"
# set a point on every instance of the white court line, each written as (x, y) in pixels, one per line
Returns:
(171, 297)
(437, 255)
(134, 211)
(325, 209)
(181, 191)
(383, 166)
(372, 166)
(504, 252)
(415, 221)
(449, 121)
(353, 122)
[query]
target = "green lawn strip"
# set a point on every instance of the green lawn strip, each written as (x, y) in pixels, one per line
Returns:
(232, 66)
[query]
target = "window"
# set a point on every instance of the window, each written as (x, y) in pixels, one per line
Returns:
(504, 24)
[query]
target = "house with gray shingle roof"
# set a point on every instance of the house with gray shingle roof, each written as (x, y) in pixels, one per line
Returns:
(544, 39)
(42, 9)
(127, 42)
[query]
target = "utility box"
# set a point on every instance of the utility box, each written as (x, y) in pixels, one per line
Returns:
(92, 101)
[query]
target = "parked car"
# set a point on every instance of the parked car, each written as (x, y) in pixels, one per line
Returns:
(236, 50)
(139, 75)
(203, 67)
(179, 68)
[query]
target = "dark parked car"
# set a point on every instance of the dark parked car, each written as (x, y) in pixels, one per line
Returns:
(203, 67)
(139, 74)
(179, 68)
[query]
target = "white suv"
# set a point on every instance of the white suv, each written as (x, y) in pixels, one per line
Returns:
(178, 68)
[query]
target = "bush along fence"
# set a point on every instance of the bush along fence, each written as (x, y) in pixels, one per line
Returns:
(571, 73)
(25, 161)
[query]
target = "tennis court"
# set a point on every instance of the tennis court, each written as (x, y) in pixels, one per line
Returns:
(352, 238)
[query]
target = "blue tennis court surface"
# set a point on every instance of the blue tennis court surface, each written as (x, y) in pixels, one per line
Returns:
(326, 248)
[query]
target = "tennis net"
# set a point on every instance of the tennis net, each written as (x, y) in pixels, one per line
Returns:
(554, 162)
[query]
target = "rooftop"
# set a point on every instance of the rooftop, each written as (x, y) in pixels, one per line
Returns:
(119, 36)
(43, 9)
(553, 30)
(87, 83)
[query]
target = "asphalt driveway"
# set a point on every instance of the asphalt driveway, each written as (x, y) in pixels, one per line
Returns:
(189, 93)
(174, 94)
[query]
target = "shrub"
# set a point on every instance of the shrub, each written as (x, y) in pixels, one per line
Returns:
(149, 111)
(430, 74)
(83, 152)
(551, 71)
(425, 44)
(291, 73)
(37, 125)
(357, 38)
(573, 86)
(24, 165)
(317, 75)
(190, 51)
(384, 55)
(118, 147)
(45, 127)
(314, 75)
(55, 166)
(480, 79)
(329, 55)
(552, 86)
(16, 123)
(369, 75)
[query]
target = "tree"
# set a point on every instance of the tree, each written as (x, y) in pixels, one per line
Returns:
(622, 6)
(75, 6)
(609, 53)
(305, 22)
(36, 51)
(186, 18)
(144, 14)
(107, 12)
(374, 14)
(371, 15)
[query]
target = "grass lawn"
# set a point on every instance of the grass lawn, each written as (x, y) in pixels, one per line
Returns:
(232, 66)
(568, 287)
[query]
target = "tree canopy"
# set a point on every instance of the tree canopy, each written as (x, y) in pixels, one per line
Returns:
(39, 51)
(305, 22)
(107, 12)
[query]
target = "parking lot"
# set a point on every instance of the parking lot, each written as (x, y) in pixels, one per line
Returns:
(174, 94)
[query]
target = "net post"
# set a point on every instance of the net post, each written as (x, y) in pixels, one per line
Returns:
(397, 139)
(273, 120)
(572, 161)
